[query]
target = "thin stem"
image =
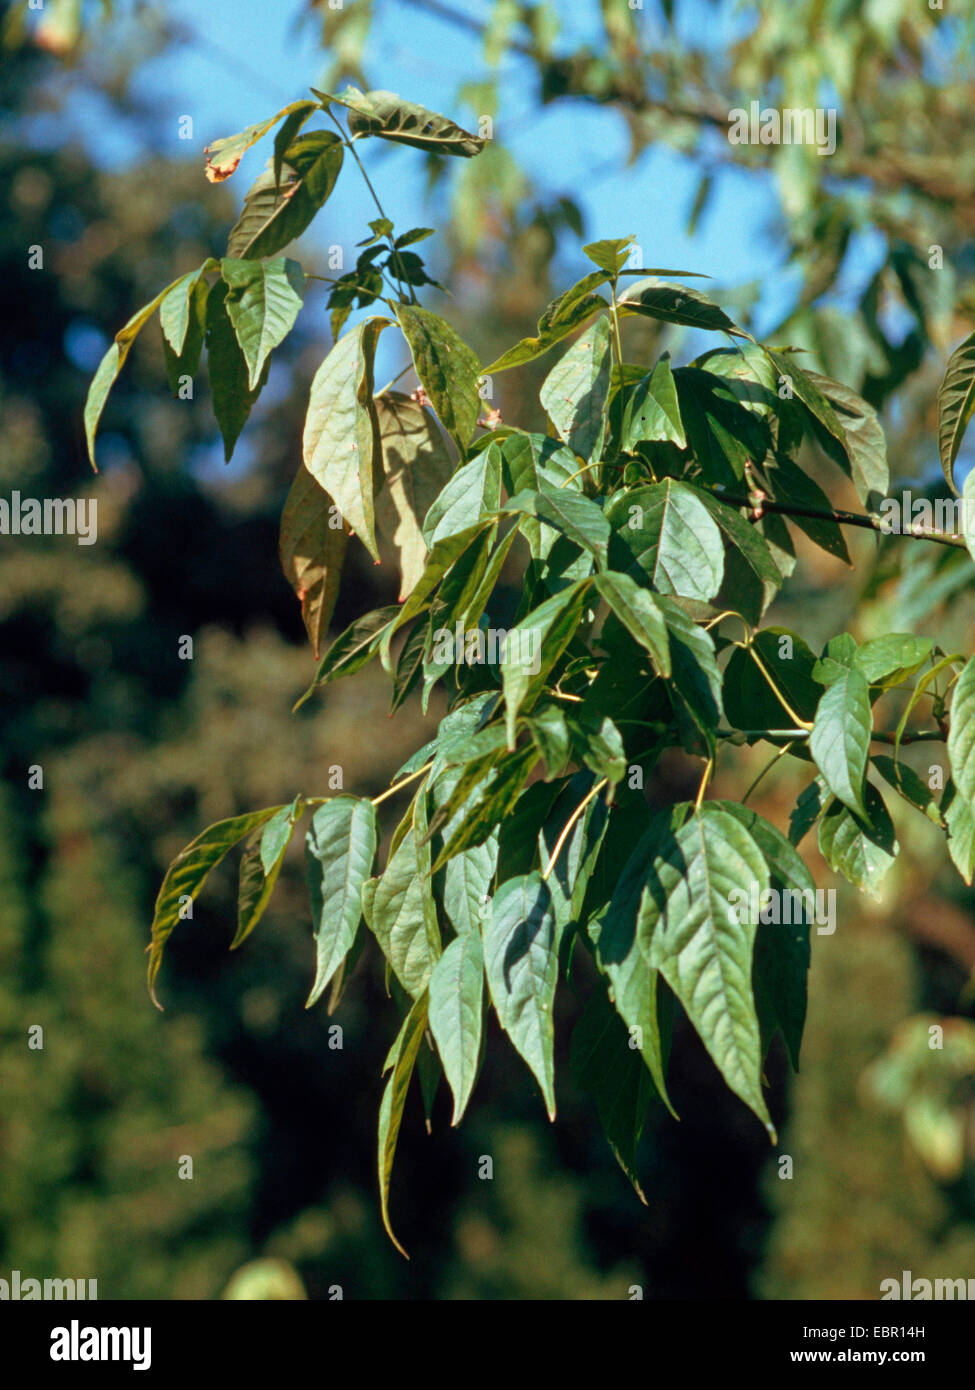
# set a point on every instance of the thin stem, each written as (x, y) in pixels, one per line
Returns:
(802, 723)
(767, 768)
(704, 782)
(405, 781)
(571, 822)
(395, 379)
(400, 274)
(869, 523)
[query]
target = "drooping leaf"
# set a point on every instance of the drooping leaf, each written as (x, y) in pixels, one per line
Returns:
(398, 919)
(785, 665)
(961, 735)
(639, 612)
(652, 411)
(570, 512)
(229, 375)
(467, 880)
(563, 316)
(187, 874)
(956, 402)
(862, 437)
(340, 445)
(447, 368)
(535, 645)
(263, 300)
(750, 574)
(223, 156)
(277, 211)
(112, 363)
(416, 466)
(391, 118)
(576, 391)
(861, 848)
(840, 737)
(703, 951)
(473, 493)
(339, 849)
(402, 1058)
(521, 963)
(456, 1005)
(176, 314)
(312, 548)
(606, 1064)
(260, 866)
(653, 298)
(353, 648)
(665, 538)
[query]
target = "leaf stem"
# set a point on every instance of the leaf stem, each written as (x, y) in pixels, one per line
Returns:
(571, 822)
(404, 782)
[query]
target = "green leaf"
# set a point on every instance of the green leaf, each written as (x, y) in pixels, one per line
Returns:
(960, 823)
(961, 735)
(467, 880)
(652, 411)
(402, 1059)
(633, 982)
(695, 678)
(263, 300)
(112, 363)
(956, 402)
(399, 921)
(187, 874)
(653, 298)
(576, 391)
(521, 961)
(416, 466)
(861, 437)
(889, 660)
(176, 307)
(285, 135)
(563, 316)
(690, 934)
(781, 959)
(550, 735)
(787, 483)
(840, 738)
(339, 850)
(862, 849)
(750, 574)
(312, 549)
(260, 866)
(353, 648)
(537, 642)
(911, 787)
(570, 512)
(640, 613)
(967, 518)
(606, 1065)
(810, 394)
(572, 867)
(610, 256)
(191, 333)
(229, 376)
(391, 118)
(340, 445)
(473, 493)
(275, 213)
(448, 370)
(223, 156)
(664, 536)
(456, 1005)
